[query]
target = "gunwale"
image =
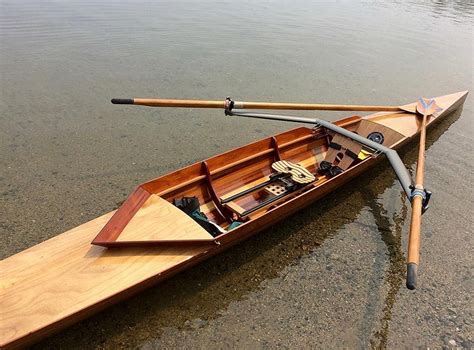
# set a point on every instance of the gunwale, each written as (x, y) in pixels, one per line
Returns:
(26, 290)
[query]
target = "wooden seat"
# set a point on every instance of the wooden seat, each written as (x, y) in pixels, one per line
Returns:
(235, 208)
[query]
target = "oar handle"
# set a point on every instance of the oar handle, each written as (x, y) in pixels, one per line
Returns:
(122, 101)
(412, 275)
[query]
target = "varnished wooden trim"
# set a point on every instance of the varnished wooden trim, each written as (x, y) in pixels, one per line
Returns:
(161, 242)
(276, 149)
(215, 198)
(183, 184)
(122, 216)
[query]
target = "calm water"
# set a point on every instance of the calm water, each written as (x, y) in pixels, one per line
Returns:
(330, 276)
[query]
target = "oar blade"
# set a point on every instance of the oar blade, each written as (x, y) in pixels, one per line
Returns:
(427, 106)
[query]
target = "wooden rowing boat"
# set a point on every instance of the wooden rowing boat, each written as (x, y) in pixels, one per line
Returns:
(65, 279)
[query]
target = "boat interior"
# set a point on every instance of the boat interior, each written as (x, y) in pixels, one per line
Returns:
(241, 185)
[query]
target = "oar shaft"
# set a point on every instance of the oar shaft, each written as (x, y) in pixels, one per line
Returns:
(414, 239)
(154, 102)
(313, 107)
(420, 166)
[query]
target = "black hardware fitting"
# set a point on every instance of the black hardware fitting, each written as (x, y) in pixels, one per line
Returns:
(228, 105)
(425, 195)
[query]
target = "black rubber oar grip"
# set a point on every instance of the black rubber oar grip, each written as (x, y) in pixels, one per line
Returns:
(122, 101)
(411, 275)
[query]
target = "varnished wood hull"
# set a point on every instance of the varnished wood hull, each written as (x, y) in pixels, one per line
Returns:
(65, 279)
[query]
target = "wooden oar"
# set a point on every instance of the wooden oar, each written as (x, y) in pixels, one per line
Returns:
(154, 102)
(424, 108)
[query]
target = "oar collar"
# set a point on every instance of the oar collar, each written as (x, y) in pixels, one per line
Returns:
(228, 105)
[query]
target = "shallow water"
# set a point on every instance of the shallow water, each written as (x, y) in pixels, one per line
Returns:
(330, 276)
